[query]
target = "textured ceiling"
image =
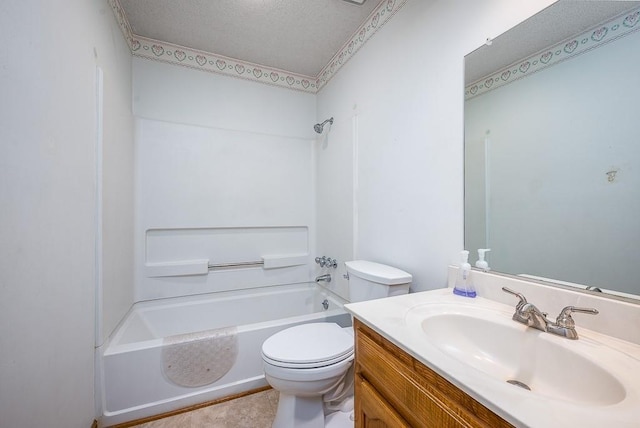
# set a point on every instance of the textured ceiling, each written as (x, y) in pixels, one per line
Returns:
(299, 36)
(560, 21)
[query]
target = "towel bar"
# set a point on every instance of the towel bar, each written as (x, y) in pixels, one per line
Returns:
(233, 265)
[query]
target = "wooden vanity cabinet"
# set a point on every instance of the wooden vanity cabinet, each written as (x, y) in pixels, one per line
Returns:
(393, 389)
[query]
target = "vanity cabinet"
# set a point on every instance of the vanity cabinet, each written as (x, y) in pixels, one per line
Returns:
(393, 389)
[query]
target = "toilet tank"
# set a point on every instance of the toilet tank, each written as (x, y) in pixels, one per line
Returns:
(369, 280)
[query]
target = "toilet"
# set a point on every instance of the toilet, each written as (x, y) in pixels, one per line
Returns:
(310, 365)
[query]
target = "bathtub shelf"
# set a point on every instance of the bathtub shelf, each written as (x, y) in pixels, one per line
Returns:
(273, 262)
(203, 266)
(182, 268)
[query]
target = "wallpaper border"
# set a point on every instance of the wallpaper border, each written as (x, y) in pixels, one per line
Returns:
(210, 62)
(594, 38)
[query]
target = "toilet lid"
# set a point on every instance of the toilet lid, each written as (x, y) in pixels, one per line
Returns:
(308, 345)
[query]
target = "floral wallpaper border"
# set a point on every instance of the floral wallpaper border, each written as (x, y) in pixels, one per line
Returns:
(166, 52)
(613, 30)
(179, 55)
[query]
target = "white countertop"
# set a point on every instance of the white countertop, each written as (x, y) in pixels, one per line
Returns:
(522, 408)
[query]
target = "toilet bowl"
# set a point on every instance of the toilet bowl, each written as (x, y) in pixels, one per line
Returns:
(309, 364)
(304, 363)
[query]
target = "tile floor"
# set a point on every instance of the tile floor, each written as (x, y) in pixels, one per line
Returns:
(252, 411)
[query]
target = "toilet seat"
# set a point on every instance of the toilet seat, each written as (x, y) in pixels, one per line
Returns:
(308, 346)
(312, 365)
(306, 376)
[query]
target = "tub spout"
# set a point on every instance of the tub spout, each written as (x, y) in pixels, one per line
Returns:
(326, 277)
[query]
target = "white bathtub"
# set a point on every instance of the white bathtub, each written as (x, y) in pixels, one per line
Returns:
(134, 385)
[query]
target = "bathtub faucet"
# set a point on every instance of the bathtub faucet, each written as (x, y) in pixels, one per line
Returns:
(326, 277)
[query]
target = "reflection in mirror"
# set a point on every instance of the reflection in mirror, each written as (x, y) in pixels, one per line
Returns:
(552, 147)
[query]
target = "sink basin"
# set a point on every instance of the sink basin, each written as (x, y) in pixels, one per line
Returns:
(592, 382)
(514, 356)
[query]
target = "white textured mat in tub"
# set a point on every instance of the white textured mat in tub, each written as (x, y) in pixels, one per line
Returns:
(198, 359)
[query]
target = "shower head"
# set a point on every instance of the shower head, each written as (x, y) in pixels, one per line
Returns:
(318, 126)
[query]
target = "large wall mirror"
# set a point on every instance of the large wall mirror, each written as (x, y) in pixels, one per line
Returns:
(552, 147)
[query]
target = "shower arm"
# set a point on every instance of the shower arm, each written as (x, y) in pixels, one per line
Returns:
(318, 127)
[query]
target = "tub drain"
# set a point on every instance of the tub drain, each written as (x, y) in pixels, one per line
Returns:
(519, 384)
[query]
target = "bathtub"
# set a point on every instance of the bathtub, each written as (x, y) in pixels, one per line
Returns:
(134, 385)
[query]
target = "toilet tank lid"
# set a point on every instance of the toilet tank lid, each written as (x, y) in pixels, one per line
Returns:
(377, 272)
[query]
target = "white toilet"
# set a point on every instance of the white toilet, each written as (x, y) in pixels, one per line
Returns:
(308, 363)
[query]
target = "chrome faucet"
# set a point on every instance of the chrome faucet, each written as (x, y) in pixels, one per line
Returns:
(535, 318)
(517, 315)
(565, 326)
(528, 314)
(326, 277)
(327, 261)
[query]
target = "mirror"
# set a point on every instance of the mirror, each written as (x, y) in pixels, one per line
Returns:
(552, 147)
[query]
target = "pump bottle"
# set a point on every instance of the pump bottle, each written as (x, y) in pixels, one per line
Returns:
(463, 286)
(482, 263)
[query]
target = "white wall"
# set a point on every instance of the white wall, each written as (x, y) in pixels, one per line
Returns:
(177, 94)
(117, 181)
(48, 198)
(554, 135)
(405, 86)
(225, 173)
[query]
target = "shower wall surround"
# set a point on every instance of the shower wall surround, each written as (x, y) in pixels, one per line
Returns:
(221, 175)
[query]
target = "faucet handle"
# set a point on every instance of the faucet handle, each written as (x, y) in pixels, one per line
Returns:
(523, 300)
(566, 321)
(519, 314)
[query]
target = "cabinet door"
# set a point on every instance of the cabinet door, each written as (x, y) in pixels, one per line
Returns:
(372, 411)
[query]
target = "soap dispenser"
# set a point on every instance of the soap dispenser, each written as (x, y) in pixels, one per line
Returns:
(482, 263)
(463, 286)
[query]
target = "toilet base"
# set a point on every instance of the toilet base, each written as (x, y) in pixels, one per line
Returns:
(308, 412)
(299, 412)
(339, 420)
